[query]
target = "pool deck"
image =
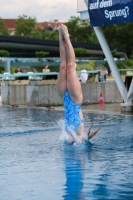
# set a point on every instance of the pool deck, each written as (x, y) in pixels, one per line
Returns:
(112, 108)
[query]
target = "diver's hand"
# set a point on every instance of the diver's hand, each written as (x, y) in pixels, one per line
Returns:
(91, 134)
(90, 129)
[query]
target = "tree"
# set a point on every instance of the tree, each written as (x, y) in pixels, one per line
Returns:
(90, 66)
(52, 35)
(131, 56)
(129, 63)
(116, 35)
(80, 51)
(3, 28)
(12, 69)
(2, 69)
(81, 31)
(114, 52)
(36, 33)
(41, 54)
(25, 26)
(120, 35)
(4, 53)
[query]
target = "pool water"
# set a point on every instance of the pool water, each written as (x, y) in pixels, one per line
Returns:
(34, 165)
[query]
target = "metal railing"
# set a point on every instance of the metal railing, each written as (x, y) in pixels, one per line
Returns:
(126, 72)
(123, 74)
(8, 76)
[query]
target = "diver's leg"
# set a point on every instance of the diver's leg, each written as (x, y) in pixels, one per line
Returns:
(73, 84)
(62, 78)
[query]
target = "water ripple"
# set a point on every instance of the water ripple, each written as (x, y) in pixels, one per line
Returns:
(33, 162)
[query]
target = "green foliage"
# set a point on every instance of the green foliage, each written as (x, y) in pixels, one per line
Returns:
(52, 68)
(121, 64)
(2, 69)
(120, 35)
(3, 28)
(131, 56)
(4, 53)
(51, 35)
(12, 69)
(129, 63)
(80, 51)
(106, 65)
(114, 52)
(125, 64)
(38, 68)
(81, 31)
(25, 26)
(44, 34)
(90, 66)
(41, 54)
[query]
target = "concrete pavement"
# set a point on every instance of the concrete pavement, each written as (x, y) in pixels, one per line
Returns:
(112, 108)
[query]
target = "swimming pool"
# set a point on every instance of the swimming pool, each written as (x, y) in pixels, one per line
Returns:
(34, 165)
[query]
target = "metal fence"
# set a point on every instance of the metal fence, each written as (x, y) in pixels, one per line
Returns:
(123, 73)
(8, 75)
(126, 72)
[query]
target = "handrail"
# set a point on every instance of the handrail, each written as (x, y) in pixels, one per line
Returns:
(125, 69)
(41, 74)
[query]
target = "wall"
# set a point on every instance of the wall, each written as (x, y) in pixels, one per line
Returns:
(43, 95)
(48, 95)
(14, 94)
(91, 92)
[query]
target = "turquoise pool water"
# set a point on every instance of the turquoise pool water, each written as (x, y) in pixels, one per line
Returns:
(34, 165)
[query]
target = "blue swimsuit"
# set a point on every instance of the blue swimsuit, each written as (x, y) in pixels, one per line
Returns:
(72, 118)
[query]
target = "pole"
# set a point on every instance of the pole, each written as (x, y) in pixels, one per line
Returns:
(111, 63)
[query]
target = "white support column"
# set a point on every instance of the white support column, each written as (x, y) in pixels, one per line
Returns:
(7, 66)
(111, 63)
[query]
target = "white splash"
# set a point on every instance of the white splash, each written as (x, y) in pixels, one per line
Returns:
(70, 138)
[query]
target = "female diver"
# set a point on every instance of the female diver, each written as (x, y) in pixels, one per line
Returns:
(70, 89)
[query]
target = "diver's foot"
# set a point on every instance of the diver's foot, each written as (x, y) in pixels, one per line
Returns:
(91, 134)
(61, 36)
(64, 31)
